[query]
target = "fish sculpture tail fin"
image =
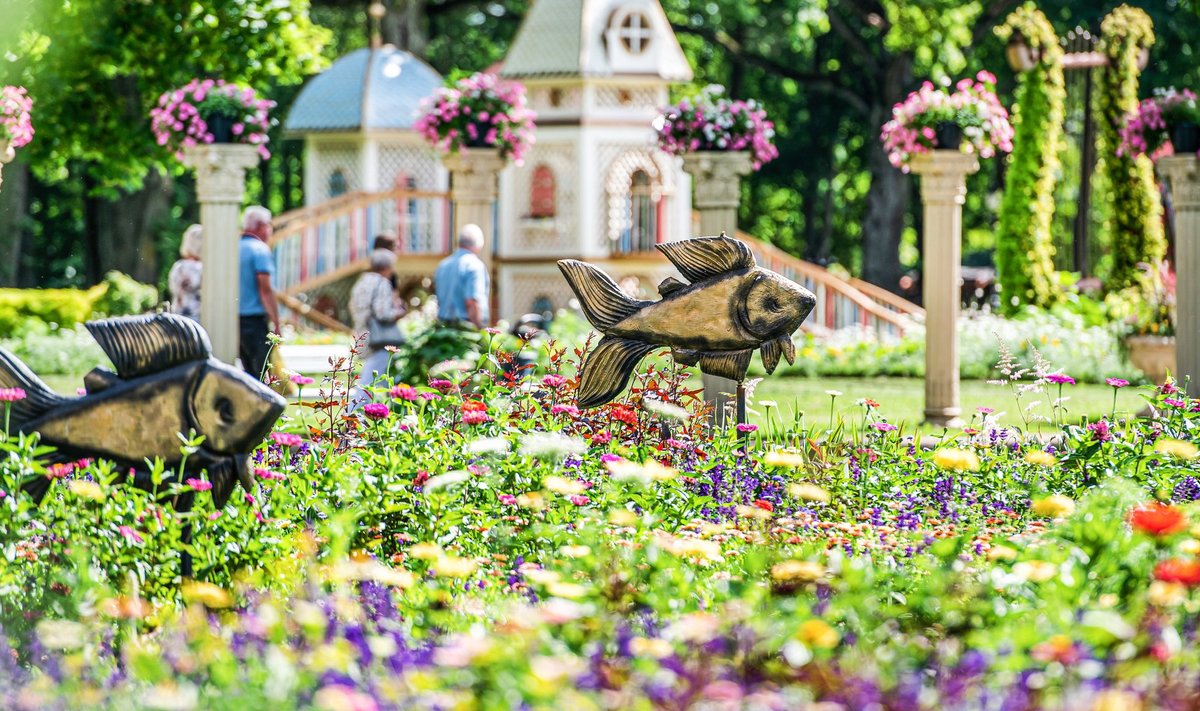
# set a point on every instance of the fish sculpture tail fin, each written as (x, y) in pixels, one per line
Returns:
(603, 302)
(39, 398)
(607, 370)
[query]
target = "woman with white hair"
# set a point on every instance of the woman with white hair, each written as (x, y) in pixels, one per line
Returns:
(184, 278)
(374, 310)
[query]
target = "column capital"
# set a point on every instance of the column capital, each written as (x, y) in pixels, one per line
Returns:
(221, 170)
(944, 175)
(716, 177)
(474, 173)
(1183, 172)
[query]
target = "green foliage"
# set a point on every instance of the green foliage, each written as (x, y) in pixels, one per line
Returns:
(1024, 243)
(59, 351)
(1135, 223)
(23, 310)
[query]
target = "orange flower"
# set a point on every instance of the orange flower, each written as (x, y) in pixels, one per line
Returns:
(1157, 519)
(1178, 570)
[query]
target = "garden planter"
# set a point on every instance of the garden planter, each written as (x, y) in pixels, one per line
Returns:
(1153, 355)
(1185, 137)
(221, 127)
(948, 135)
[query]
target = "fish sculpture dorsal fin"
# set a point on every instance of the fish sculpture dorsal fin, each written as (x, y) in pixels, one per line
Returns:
(670, 285)
(139, 345)
(703, 257)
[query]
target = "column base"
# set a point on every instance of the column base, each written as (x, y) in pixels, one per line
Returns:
(949, 417)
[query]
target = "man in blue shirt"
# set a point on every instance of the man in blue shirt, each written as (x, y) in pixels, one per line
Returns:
(258, 314)
(461, 282)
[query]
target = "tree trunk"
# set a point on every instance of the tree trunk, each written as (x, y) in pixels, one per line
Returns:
(888, 196)
(14, 211)
(404, 26)
(126, 229)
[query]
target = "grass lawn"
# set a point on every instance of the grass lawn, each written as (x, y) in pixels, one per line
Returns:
(902, 400)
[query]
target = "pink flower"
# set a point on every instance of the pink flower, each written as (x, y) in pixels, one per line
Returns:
(268, 475)
(580, 500)
(442, 386)
(1060, 379)
(884, 426)
(1173, 402)
(286, 439)
(404, 392)
(301, 379)
(570, 410)
(746, 428)
(199, 484)
(376, 410)
(11, 394)
(1100, 431)
(554, 381)
(602, 437)
(129, 534)
(507, 499)
(1116, 382)
(609, 457)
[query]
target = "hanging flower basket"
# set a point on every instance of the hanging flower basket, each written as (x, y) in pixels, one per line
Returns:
(970, 118)
(479, 112)
(211, 111)
(711, 122)
(1165, 124)
(16, 124)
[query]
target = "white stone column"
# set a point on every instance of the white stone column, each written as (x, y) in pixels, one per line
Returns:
(220, 188)
(1183, 173)
(943, 191)
(474, 177)
(716, 193)
(6, 156)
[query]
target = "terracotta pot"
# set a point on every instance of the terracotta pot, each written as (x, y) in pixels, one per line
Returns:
(1153, 355)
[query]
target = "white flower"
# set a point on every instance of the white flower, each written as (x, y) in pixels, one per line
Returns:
(446, 480)
(667, 409)
(551, 444)
(61, 634)
(488, 445)
(833, 393)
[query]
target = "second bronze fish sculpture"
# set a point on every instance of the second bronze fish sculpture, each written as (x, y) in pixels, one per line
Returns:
(730, 308)
(166, 384)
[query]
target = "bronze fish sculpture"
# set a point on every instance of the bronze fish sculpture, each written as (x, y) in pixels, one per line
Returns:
(731, 308)
(166, 383)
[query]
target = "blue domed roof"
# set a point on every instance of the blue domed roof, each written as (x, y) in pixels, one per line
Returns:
(366, 89)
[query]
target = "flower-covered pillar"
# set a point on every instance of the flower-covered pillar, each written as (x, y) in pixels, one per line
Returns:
(220, 187)
(716, 192)
(1183, 174)
(943, 191)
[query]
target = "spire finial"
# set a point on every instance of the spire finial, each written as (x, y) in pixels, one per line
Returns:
(377, 10)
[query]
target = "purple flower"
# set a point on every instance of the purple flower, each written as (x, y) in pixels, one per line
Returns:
(376, 410)
(1060, 378)
(884, 426)
(745, 428)
(1100, 431)
(1117, 382)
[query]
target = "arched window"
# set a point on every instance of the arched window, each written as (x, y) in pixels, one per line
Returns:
(643, 206)
(337, 182)
(541, 192)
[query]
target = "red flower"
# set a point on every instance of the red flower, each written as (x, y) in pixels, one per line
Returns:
(624, 413)
(474, 406)
(421, 477)
(764, 505)
(1178, 570)
(1157, 519)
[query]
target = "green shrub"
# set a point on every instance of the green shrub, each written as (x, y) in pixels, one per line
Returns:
(25, 311)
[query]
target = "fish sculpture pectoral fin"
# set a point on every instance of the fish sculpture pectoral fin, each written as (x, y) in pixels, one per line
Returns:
(726, 364)
(603, 302)
(685, 356)
(670, 285)
(608, 369)
(703, 257)
(99, 380)
(789, 349)
(39, 398)
(771, 351)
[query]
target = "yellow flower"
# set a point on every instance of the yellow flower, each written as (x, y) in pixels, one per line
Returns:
(1038, 571)
(960, 460)
(1055, 506)
(784, 458)
(1001, 553)
(1037, 456)
(809, 492)
(1176, 448)
(207, 594)
(645, 472)
(562, 485)
(817, 633)
(1116, 700)
(452, 567)
(1166, 594)
(425, 551)
(1190, 546)
(61, 634)
(571, 591)
(533, 500)
(86, 489)
(575, 551)
(647, 647)
(622, 517)
(797, 571)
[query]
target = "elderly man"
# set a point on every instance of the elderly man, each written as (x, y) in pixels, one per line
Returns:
(461, 282)
(258, 314)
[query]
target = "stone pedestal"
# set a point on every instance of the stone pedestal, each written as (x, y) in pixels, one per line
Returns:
(474, 179)
(1183, 174)
(716, 193)
(6, 156)
(220, 187)
(943, 191)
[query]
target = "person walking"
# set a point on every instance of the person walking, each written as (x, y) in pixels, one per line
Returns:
(183, 281)
(258, 313)
(461, 282)
(373, 302)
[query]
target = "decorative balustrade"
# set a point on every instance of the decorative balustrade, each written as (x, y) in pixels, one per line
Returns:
(323, 243)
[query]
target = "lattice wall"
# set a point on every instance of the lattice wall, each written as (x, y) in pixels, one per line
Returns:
(524, 289)
(335, 156)
(612, 96)
(417, 162)
(621, 161)
(547, 235)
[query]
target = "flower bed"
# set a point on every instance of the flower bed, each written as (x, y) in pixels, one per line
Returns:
(479, 542)
(711, 122)
(479, 112)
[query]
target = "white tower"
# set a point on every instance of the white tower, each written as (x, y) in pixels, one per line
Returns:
(594, 186)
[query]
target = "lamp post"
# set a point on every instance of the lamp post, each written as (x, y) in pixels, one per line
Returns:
(943, 191)
(220, 187)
